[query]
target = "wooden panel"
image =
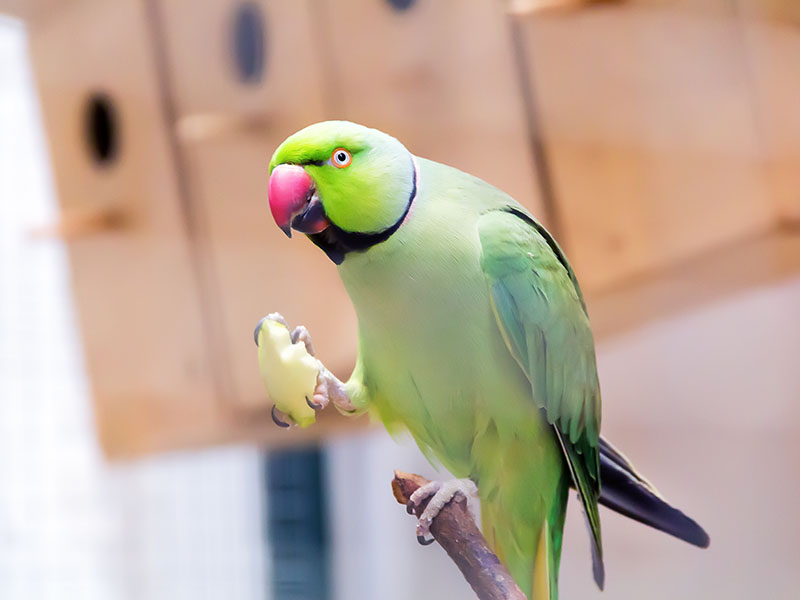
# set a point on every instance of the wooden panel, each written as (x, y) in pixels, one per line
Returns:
(760, 261)
(772, 37)
(440, 76)
(648, 121)
(531, 7)
(135, 289)
(33, 10)
(278, 84)
(782, 13)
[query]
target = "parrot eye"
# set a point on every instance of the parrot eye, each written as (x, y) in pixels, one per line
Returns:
(341, 158)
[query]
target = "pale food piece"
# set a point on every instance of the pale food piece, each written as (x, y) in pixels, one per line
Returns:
(288, 371)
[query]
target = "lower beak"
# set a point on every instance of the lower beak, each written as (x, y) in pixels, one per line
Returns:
(293, 201)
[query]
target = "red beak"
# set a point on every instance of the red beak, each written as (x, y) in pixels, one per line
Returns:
(293, 201)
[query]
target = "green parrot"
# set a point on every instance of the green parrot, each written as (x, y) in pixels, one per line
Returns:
(473, 335)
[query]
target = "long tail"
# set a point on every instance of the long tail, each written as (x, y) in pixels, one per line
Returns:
(624, 491)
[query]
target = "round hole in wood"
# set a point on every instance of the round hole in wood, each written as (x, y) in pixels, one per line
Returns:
(101, 129)
(248, 42)
(401, 5)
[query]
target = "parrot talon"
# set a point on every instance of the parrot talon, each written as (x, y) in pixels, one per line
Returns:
(440, 494)
(423, 542)
(257, 330)
(312, 405)
(330, 389)
(276, 420)
(277, 317)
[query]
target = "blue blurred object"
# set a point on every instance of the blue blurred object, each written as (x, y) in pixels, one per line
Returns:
(296, 526)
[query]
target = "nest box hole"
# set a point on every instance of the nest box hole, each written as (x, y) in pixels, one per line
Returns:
(248, 43)
(101, 129)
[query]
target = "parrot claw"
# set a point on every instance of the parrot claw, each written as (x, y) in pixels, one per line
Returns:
(300, 334)
(330, 389)
(275, 412)
(277, 317)
(257, 330)
(440, 494)
(320, 398)
(272, 317)
(313, 405)
(424, 542)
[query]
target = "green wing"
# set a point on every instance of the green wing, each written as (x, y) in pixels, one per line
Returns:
(542, 316)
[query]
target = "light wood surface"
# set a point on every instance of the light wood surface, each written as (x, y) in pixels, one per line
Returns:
(771, 34)
(211, 100)
(653, 142)
(440, 77)
(33, 10)
(136, 293)
(754, 262)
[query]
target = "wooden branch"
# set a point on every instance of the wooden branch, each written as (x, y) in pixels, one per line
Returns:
(456, 532)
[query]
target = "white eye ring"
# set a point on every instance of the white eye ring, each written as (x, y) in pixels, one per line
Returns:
(341, 158)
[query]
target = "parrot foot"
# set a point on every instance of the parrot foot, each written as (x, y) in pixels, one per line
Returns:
(279, 418)
(299, 334)
(330, 389)
(276, 316)
(442, 493)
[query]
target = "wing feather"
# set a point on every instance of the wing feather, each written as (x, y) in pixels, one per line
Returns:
(542, 317)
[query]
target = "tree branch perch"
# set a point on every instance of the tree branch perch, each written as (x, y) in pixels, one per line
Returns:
(456, 532)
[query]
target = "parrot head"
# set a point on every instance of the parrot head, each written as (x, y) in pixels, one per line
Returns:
(346, 186)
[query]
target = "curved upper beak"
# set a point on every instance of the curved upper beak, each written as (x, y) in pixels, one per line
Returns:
(294, 202)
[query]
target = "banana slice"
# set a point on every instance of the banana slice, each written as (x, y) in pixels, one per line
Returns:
(288, 371)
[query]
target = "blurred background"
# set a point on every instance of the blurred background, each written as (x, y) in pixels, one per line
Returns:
(658, 139)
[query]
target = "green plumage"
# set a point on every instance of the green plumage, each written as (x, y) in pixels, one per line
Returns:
(541, 312)
(435, 360)
(473, 336)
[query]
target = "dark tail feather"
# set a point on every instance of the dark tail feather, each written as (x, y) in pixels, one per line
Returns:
(624, 491)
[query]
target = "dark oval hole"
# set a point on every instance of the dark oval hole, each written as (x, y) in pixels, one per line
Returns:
(101, 129)
(248, 42)
(400, 5)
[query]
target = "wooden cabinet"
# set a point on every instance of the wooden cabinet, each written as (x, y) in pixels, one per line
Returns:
(132, 265)
(171, 246)
(653, 142)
